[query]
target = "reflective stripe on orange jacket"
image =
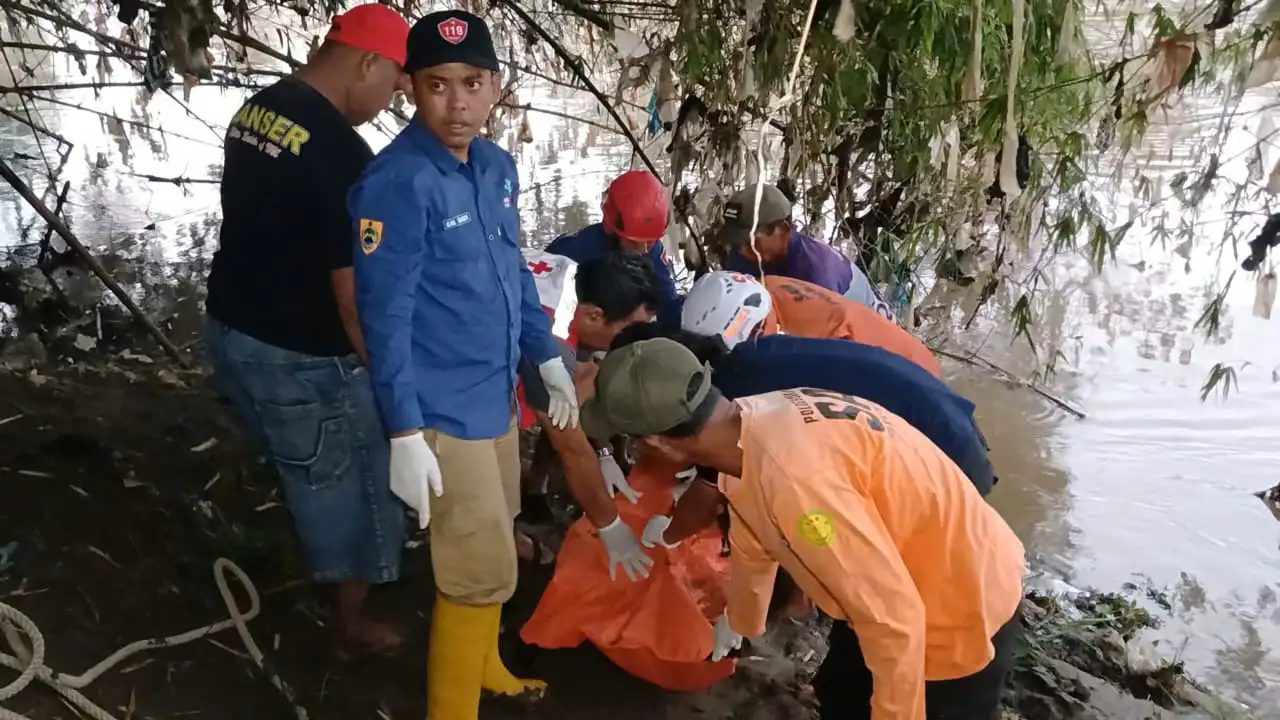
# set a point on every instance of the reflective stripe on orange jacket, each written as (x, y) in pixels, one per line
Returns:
(879, 528)
(801, 308)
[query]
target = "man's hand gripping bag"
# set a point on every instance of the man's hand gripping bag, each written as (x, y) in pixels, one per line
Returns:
(658, 629)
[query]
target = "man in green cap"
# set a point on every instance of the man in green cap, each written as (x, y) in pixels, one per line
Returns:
(874, 523)
(777, 248)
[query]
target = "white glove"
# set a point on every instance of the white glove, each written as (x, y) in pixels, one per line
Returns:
(620, 543)
(684, 479)
(651, 536)
(615, 481)
(725, 639)
(563, 407)
(414, 468)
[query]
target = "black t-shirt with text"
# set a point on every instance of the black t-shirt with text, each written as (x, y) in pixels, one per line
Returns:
(290, 159)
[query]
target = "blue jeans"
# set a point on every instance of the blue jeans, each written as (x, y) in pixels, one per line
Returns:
(316, 418)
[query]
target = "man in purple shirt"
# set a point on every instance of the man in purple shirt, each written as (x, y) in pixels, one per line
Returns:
(781, 250)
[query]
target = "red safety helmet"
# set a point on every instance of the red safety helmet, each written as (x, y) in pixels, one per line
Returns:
(636, 207)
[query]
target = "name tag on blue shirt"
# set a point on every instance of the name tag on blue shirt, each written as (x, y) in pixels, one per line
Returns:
(457, 220)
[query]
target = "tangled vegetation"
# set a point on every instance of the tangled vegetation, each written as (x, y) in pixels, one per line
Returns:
(968, 140)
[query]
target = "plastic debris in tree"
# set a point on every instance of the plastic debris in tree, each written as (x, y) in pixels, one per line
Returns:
(1273, 180)
(1070, 44)
(526, 132)
(1172, 57)
(846, 22)
(1261, 155)
(973, 71)
(668, 105)
(180, 35)
(1267, 238)
(629, 45)
(1009, 152)
(1270, 498)
(1264, 296)
(1267, 64)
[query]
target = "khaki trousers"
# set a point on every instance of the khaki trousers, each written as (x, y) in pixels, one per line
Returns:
(473, 549)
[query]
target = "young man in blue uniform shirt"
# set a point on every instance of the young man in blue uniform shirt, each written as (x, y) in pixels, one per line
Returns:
(449, 307)
(635, 211)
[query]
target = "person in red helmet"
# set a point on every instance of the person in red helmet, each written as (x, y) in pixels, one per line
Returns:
(635, 211)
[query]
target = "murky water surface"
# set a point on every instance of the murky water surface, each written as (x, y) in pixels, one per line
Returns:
(1152, 487)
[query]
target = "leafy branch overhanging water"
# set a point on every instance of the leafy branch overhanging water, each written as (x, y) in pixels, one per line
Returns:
(968, 141)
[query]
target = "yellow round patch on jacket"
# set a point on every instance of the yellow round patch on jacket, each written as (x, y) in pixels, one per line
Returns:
(817, 528)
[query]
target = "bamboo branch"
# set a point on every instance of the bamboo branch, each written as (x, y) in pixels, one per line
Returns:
(977, 360)
(575, 64)
(598, 19)
(62, 141)
(128, 57)
(526, 70)
(220, 83)
(109, 116)
(255, 44)
(61, 228)
(555, 113)
(179, 180)
(48, 231)
(66, 20)
(10, 89)
(71, 24)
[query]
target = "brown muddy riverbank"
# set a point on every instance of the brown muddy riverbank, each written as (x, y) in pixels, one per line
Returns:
(121, 482)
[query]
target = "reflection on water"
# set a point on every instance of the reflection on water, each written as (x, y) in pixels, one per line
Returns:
(1152, 482)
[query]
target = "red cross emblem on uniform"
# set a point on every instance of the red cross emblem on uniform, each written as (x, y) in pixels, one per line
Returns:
(453, 30)
(540, 267)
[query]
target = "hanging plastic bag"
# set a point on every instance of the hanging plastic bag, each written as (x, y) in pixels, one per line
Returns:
(658, 629)
(1264, 297)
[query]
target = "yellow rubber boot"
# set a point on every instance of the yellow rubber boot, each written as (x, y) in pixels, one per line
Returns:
(497, 678)
(456, 659)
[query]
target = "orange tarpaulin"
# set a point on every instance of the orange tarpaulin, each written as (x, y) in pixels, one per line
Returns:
(659, 628)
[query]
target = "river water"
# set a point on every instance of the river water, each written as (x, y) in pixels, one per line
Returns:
(1152, 487)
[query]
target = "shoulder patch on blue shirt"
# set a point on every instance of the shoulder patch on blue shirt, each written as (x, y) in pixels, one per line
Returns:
(457, 220)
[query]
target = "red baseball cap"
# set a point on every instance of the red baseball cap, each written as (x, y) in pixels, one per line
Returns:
(372, 27)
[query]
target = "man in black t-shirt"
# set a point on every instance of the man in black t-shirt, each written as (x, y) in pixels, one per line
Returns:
(281, 329)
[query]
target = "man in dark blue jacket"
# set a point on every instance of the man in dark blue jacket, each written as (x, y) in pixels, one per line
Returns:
(636, 211)
(449, 307)
(781, 362)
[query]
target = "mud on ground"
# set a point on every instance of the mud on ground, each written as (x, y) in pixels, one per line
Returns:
(122, 481)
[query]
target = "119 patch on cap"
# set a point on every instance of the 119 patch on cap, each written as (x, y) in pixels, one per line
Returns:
(453, 30)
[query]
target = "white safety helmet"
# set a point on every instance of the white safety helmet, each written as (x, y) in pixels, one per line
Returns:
(726, 304)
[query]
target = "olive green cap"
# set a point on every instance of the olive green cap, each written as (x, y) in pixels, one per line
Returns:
(645, 388)
(741, 207)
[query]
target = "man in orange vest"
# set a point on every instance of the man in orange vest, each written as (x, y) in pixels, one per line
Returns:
(889, 538)
(796, 307)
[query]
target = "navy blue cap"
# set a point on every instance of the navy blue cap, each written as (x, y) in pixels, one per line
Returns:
(450, 36)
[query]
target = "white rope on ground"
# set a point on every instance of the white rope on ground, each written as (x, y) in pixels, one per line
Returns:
(788, 98)
(30, 662)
